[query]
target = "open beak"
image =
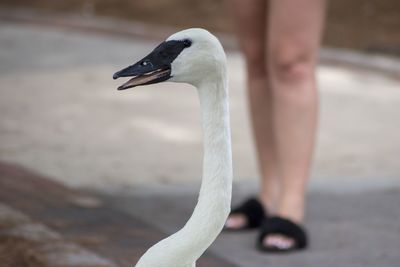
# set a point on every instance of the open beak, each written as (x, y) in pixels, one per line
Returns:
(155, 67)
(143, 73)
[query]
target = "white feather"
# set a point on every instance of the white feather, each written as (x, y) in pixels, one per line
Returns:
(203, 65)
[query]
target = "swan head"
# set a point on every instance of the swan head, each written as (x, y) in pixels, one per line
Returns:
(189, 56)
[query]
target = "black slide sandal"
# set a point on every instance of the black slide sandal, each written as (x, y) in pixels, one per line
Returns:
(254, 212)
(278, 225)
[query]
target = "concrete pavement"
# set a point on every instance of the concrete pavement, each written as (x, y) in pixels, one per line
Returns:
(62, 116)
(355, 229)
(346, 229)
(69, 227)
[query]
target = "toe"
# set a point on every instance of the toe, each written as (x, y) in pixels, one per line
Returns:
(235, 222)
(278, 241)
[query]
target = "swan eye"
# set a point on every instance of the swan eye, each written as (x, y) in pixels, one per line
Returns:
(187, 42)
(145, 63)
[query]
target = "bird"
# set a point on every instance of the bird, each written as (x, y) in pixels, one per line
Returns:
(194, 56)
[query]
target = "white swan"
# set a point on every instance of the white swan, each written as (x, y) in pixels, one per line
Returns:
(194, 56)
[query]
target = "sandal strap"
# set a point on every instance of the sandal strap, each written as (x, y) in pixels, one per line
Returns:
(253, 210)
(279, 225)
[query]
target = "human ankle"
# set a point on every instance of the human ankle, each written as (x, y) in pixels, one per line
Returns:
(292, 209)
(268, 203)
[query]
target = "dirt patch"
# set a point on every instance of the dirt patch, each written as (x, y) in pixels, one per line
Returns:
(368, 25)
(19, 252)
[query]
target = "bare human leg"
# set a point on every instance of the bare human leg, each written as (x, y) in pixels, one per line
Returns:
(293, 40)
(250, 17)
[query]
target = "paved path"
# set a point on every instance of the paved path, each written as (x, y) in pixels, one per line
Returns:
(352, 230)
(30, 242)
(61, 115)
(79, 217)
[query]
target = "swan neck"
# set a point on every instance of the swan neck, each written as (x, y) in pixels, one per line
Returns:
(183, 248)
(213, 205)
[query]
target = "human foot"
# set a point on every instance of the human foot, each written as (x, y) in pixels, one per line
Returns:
(278, 241)
(291, 208)
(236, 222)
(248, 215)
(278, 234)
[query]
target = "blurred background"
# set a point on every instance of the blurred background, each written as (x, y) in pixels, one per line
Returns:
(367, 25)
(89, 40)
(138, 152)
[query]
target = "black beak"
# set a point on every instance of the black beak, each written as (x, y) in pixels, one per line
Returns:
(142, 75)
(155, 67)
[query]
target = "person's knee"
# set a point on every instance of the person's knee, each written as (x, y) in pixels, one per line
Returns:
(291, 62)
